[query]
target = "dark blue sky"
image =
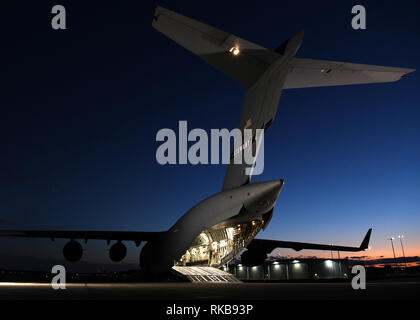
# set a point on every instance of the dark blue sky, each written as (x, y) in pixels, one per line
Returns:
(80, 110)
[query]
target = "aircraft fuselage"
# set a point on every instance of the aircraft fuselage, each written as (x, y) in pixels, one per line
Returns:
(215, 230)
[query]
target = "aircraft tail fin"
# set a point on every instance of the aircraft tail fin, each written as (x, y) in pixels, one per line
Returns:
(259, 110)
(292, 45)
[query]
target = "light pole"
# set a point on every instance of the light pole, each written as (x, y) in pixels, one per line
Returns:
(402, 247)
(392, 244)
(339, 262)
(332, 258)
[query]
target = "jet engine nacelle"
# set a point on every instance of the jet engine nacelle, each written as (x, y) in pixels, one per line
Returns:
(117, 252)
(72, 251)
(252, 258)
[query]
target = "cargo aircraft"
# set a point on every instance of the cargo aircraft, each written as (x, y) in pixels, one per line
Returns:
(220, 227)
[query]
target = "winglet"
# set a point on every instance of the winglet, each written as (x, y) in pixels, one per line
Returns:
(365, 243)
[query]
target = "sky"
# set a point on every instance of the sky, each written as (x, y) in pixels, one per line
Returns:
(80, 109)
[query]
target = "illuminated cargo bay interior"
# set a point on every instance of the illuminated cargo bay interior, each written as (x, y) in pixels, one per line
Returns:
(218, 245)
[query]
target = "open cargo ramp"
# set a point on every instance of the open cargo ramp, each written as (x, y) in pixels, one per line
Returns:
(204, 274)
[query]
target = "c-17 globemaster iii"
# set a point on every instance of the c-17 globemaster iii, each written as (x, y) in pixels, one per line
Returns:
(221, 226)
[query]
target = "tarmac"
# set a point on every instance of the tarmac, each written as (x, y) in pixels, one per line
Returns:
(177, 291)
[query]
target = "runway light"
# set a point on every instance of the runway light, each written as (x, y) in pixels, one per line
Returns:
(235, 51)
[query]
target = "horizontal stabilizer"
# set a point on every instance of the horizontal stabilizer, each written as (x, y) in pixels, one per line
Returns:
(306, 73)
(264, 74)
(215, 46)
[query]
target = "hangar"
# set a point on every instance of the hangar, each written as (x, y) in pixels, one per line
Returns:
(291, 270)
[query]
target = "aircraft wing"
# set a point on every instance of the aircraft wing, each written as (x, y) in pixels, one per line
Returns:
(268, 246)
(213, 45)
(85, 235)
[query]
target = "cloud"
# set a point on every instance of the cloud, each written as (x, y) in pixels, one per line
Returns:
(382, 260)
